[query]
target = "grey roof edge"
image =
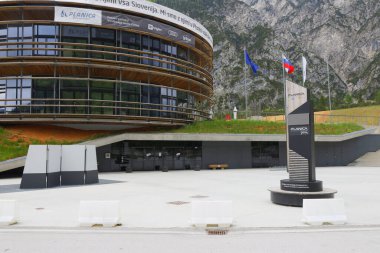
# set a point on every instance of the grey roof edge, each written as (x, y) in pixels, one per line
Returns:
(19, 162)
(219, 137)
(344, 137)
(12, 163)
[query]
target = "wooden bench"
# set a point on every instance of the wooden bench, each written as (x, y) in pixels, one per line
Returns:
(218, 166)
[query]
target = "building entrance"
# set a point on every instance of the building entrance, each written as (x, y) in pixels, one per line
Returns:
(151, 155)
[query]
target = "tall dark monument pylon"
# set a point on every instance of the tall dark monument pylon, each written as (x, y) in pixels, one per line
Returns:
(302, 183)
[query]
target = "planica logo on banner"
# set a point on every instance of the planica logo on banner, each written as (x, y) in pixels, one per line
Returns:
(78, 15)
(154, 10)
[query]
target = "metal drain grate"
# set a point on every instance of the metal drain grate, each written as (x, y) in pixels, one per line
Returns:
(178, 203)
(198, 197)
(217, 232)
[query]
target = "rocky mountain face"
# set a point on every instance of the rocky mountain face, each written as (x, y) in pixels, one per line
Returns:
(341, 34)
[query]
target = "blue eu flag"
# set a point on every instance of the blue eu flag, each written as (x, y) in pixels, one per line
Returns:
(248, 61)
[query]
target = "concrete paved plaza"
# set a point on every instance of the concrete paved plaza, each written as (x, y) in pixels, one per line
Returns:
(145, 197)
(365, 240)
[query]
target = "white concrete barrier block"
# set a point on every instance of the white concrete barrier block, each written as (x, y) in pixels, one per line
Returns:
(324, 211)
(105, 213)
(8, 212)
(211, 214)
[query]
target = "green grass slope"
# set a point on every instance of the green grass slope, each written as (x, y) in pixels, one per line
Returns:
(261, 127)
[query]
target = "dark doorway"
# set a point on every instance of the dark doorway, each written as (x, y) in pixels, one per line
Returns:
(265, 154)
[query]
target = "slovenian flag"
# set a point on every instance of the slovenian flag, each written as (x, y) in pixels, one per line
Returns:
(288, 66)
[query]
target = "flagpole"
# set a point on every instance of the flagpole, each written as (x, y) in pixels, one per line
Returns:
(303, 70)
(284, 80)
(285, 114)
(245, 84)
(328, 81)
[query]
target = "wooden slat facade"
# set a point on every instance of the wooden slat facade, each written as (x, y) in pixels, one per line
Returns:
(77, 61)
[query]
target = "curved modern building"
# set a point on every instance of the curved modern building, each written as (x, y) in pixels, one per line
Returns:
(102, 62)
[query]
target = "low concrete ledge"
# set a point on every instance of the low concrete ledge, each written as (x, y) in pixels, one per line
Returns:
(12, 164)
(344, 137)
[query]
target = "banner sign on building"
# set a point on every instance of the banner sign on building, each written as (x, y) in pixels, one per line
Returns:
(78, 15)
(95, 17)
(153, 10)
(146, 25)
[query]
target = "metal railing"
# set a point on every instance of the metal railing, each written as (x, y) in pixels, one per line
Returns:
(91, 108)
(101, 52)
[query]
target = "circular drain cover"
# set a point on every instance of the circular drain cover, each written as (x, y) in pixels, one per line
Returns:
(198, 197)
(178, 203)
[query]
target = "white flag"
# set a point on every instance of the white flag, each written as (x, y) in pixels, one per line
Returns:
(304, 64)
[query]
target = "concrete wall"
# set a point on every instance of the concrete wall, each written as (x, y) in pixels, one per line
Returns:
(345, 152)
(235, 154)
(339, 153)
(238, 154)
(106, 164)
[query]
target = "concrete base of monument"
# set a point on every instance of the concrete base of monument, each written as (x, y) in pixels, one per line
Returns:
(292, 198)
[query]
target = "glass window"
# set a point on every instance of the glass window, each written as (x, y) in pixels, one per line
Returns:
(13, 32)
(74, 96)
(146, 60)
(164, 91)
(12, 52)
(45, 90)
(182, 53)
(174, 50)
(45, 30)
(2, 95)
(146, 42)
(145, 99)
(27, 51)
(26, 95)
(182, 99)
(155, 44)
(13, 93)
(102, 34)
(155, 99)
(146, 47)
(130, 93)
(166, 49)
(103, 37)
(12, 83)
(102, 97)
(26, 83)
(75, 32)
(154, 95)
(45, 34)
(3, 38)
(3, 31)
(27, 31)
(131, 41)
